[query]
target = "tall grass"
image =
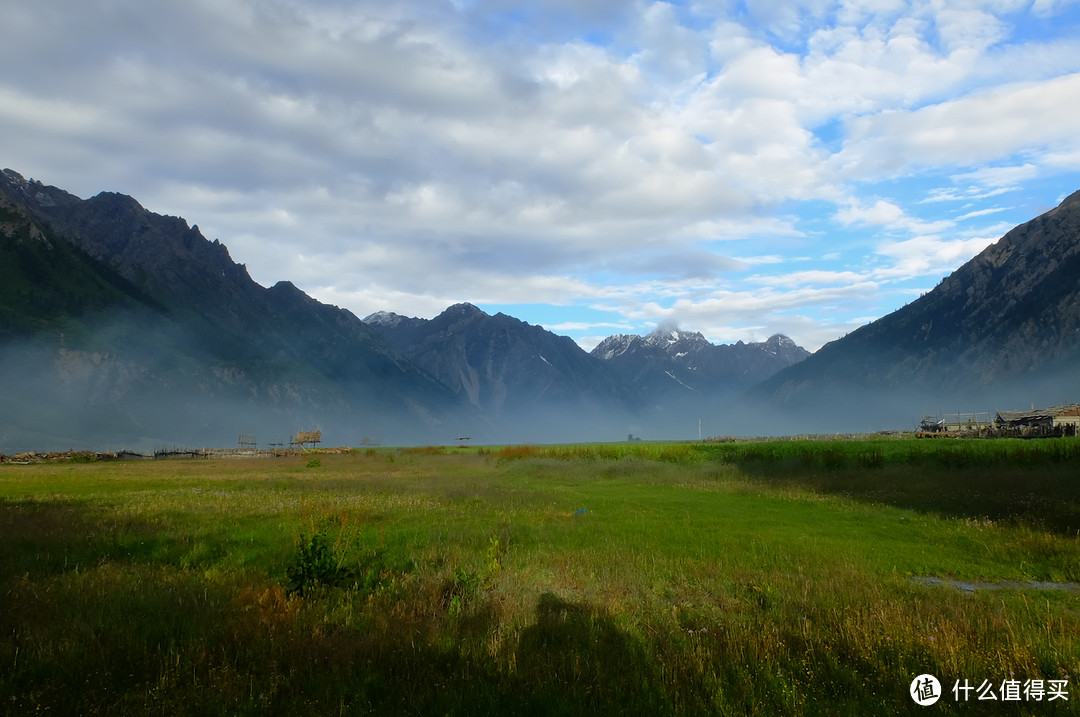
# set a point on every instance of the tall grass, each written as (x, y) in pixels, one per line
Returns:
(630, 578)
(948, 452)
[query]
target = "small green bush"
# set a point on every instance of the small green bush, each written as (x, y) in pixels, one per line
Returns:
(466, 582)
(313, 565)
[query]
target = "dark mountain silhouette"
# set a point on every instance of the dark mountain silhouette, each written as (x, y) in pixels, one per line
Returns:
(525, 378)
(120, 326)
(1001, 331)
(123, 324)
(522, 375)
(669, 363)
(689, 386)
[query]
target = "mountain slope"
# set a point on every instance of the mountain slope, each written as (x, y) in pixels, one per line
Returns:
(47, 282)
(516, 373)
(1002, 330)
(145, 323)
(672, 363)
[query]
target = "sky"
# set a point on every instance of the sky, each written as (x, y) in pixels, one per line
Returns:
(592, 166)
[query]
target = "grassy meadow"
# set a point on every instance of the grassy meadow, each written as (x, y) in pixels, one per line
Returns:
(744, 578)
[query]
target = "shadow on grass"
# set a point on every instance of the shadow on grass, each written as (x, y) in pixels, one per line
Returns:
(1044, 497)
(104, 618)
(49, 538)
(575, 659)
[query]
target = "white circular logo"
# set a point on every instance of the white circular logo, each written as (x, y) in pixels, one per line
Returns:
(925, 690)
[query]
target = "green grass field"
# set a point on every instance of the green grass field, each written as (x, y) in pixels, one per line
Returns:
(749, 578)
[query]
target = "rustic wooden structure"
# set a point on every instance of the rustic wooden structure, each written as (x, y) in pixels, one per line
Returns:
(1052, 422)
(956, 422)
(171, 453)
(1067, 416)
(302, 438)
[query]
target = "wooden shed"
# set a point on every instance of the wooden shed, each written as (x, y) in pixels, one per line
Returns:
(1053, 417)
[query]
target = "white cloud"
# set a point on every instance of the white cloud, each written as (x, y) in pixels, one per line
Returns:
(999, 177)
(980, 213)
(883, 213)
(965, 194)
(1067, 160)
(977, 129)
(407, 155)
(1048, 8)
(589, 326)
(737, 317)
(811, 277)
(927, 256)
(764, 259)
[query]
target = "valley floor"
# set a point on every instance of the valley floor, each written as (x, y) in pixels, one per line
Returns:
(787, 577)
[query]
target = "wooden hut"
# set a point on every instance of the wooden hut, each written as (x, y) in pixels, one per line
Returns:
(1067, 416)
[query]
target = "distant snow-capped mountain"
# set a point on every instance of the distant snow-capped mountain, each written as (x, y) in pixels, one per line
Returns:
(670, 361)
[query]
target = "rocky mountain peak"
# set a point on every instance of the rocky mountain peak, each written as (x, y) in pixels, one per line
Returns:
(672, 363)
(463, 310)
(779, 344)
(672, 339)
(12, 178)
(500, 364)
(32, 192)
(614, 346)
(384, 319)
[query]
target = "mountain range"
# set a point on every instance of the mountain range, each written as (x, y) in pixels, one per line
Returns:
(1001, 331)
(119, 325)
(123, 327)
(669, 363)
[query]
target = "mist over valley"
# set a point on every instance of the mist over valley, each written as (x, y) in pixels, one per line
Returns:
(120, 327)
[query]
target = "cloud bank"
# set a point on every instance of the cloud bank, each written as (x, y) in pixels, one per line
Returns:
(584, 165)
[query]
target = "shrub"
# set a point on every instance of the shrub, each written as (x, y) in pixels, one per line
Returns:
(313, 565)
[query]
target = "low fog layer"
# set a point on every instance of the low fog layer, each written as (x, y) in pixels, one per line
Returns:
(163, 340)
(58, 399)
(61, 395)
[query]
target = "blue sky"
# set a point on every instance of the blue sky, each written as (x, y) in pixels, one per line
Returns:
(596, 167)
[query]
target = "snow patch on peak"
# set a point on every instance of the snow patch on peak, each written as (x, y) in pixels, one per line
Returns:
(668, 339)
(384, 318)
(614, 346)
